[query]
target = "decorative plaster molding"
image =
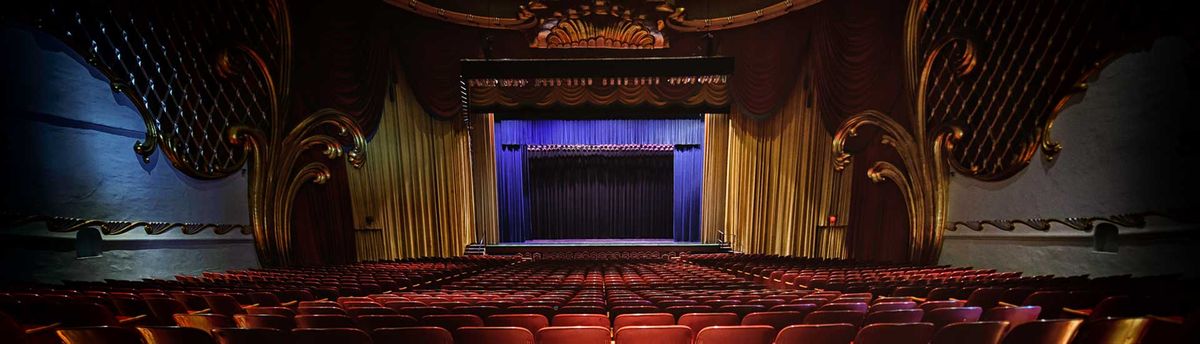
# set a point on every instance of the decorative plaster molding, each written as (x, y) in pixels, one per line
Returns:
(1134, 220)
(64, 224)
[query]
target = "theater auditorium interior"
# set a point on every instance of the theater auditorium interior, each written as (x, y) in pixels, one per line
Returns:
(599, 172)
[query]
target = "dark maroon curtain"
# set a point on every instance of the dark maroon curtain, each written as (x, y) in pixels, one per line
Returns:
(878, 220)
(341, 60)
(600, 195)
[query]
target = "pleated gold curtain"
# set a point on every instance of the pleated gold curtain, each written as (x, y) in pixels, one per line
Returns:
(483, 175)
(713, 184)
(780, 183)
(416, 184)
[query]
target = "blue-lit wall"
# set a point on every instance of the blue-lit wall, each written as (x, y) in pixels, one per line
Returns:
(68, 151)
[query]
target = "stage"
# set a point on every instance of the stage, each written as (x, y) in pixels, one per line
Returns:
(601, 246)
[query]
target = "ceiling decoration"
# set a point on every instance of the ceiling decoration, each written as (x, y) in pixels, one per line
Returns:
(1133, 220)
(173, 70)
(608, 24)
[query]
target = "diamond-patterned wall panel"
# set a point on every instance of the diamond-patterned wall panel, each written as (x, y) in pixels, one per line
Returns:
(169, 55)
(1029, 57)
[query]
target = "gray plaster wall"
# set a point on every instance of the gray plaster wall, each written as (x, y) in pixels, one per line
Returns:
(1127, 142)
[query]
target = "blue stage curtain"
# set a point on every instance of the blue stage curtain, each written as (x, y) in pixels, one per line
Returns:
(510, 193)
(689, 173)
(513, 135)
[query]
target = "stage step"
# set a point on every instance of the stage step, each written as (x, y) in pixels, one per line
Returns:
(475, 250)
(725, 248)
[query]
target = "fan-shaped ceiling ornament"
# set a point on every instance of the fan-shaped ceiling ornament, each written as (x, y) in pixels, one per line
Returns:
(602, 24)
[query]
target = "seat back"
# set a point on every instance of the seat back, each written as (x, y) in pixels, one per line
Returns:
(895, 316)
(163, 310)
(312, 310)
(99, 335)
(1015, 316)
(835, 317)
(1113, 331)
(424, 335)
(887, 306)
(574, 334)
(744, 334)
(1051, 302)
(817, 334)
(979, 332)
(175, 335)
(944, 316)
(1115, 306)
(580, 320)
(452, 322)
(531, 322)
(1043, 332)
(251, 336)
(664, 334)
(493, 335)
(910, 333)
(777, 320)
(932, 305)
(985, 297)
(330, 335)
(643, 319)
(373, 322)
(206, 322)
(325, 321)
(282, 311)
(698, 321)
(845, 306)
(277, 322)
(223, 304)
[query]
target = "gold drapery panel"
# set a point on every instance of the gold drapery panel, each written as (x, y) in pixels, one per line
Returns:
(716, 166)
(418, 186)
(483, 177)
(781, 181)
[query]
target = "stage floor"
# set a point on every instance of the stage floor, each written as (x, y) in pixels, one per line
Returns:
(600, 245)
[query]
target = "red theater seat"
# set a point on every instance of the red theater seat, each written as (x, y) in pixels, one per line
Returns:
(777, 320)
(985, 297)
(223, 304)
(277, 322)
(251, 336)
(910, 333)
(666, 334)
(531, 322)
(325, 321)
(835, 317)
(581, 320)
(887, 306)
(282, 311)
(980, 332)
(944, 316)
(574, 335)
(330, 335)
(175, 335)
(745, 334)
(1113, 330)
(320, 310)
(99, 335)
(897, 316)
(1015, 316)
(372, 322)
(415, 335)
(698, 321)
(817, 334)
(493, 335)
(452, 322)
(1043, 332)
(645, 319)
(206, 322)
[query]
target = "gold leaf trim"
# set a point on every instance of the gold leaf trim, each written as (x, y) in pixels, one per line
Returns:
(63, 224)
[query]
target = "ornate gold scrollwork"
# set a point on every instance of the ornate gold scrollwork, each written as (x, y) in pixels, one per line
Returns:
(113, 227)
